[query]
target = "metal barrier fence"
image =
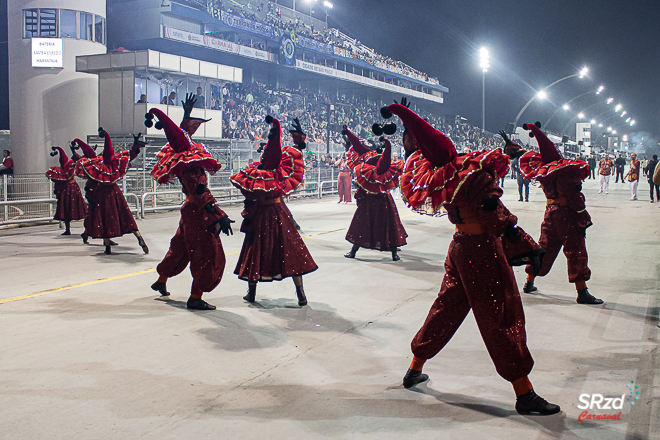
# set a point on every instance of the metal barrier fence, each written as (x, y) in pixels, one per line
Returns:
(28, 198)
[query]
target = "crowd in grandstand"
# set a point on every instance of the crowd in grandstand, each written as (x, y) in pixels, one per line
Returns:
(245, 105)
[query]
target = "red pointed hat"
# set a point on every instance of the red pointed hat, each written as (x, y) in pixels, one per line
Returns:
(108, 150)
(175, 135)
(549, 152)
(436, 147)
(64, 159)
(357, 145)
(272, 155)
(88, 151)
(180, 152)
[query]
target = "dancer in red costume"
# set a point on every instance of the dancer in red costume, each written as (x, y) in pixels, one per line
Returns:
(90, 184)
(478, 275)
(272, 248)
(109, 214)
(566, 218)
(197, 240)
(344, 183)
(70, 202)
(376, 224)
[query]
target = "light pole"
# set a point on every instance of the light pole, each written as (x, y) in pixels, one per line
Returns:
(484, 64)
(541, 95)
(566, 106)
(327, 5)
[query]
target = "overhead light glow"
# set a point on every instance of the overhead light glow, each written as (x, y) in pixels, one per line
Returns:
(632, 122)
(584, 72)
(623, 113)
(609, 100)
(328, 5)
(613, 131)
(609, 128)
(593, 121)
(600, 89)
(581, 115)
(628, 120)
(567, 107)
(618, 107)
(542, 94)
(484, 59)
(600, 125)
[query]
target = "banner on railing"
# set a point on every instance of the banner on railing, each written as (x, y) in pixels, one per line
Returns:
(248, 25)
(311, 44)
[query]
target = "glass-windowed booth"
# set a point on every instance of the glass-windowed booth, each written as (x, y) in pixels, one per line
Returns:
(130, 83)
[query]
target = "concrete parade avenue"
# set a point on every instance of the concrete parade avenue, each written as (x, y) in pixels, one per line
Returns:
(89, 351)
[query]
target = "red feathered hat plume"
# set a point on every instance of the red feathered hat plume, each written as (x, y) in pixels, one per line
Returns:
(175, 135)
(436, 147)
(88, 151)
(108, 150)
(64, 159)
(549, 152)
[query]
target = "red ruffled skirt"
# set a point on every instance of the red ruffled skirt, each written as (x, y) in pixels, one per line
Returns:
(109, 216)
(70, 202)
(273, 248)
(376, 223)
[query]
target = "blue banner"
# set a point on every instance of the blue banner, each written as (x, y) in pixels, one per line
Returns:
(311, 44)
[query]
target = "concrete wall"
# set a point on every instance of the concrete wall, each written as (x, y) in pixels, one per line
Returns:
(49, 106)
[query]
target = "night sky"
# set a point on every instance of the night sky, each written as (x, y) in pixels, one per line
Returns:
(531, 43)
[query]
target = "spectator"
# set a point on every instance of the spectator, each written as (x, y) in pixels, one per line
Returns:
(591, 161)
(633, 176)
(649, 169)
(7, 166)
(143, 99)
(171, 100)
(620, 163)
(201, 101)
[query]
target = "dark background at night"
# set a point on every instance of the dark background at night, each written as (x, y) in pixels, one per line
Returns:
(532, 44)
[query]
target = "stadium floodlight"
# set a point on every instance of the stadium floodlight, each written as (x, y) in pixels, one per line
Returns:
(613, 131)
(593, 121)
(600, 89)
(567, 107)
(542, 94)
(618, 107)
(609, 128)
(584, 71)
(609, 100)
(484, 59)
(632, 122)
(623, 113)
(581, 115)
(328, 5)
(625, 138)
(628, 120)
(484, 63)
(600, 125)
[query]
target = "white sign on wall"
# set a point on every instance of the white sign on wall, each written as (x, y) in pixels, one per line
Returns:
(47, 52)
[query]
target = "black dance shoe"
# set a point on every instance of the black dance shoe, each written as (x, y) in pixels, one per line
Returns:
(300, 293)
(395, 256)
(251, 293)
(160, 288)
(414, 377)
(85, 238)
(108, 250)
(198, 304)
(349, 254)
(143, 245)
(533, 404)
(66, 233)
(584, 297)
(529, 287)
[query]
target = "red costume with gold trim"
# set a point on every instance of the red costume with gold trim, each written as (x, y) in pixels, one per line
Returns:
(478, 275)
(70, 202)
(272, 248)
(376, 223)
(196, 242)
(566, 218)
(109, 214)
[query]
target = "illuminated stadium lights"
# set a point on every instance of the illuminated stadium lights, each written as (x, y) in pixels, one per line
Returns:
(542, 94)
(600, 125)
(609, 100)
(600, 89)
(328, 5)
(581, 115)
(628, 120)
(609, 128)
(484, 59)
(583, 72)
(567, 107)
(623, 113)
(593, 121)
(632, 122)
(613, 131)
(625, 138)
(618, 107)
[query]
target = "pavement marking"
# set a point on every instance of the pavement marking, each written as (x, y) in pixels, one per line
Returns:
(118, 277)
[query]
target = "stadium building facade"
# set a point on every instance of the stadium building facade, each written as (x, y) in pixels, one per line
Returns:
(161, 50)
